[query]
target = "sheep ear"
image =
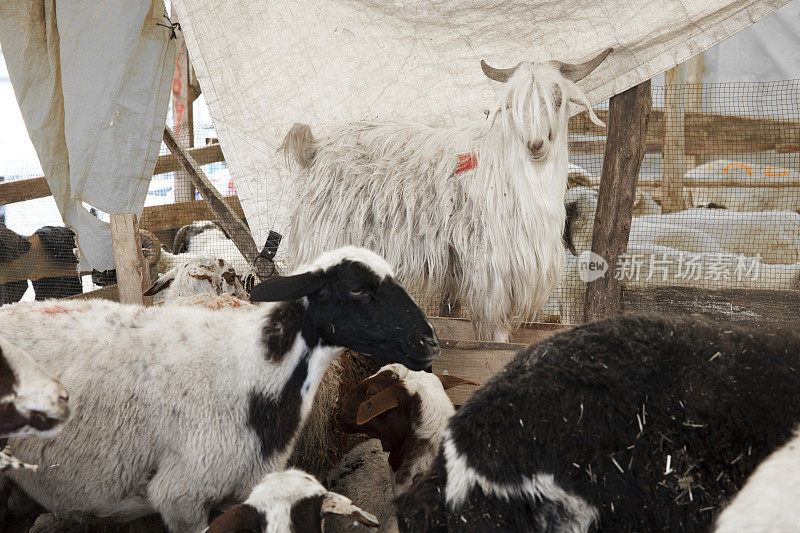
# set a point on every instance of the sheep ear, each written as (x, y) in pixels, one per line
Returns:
(287, 288)
(162, 283)
(386, 399)
(242, 517)
(336, 504)
(448, 381)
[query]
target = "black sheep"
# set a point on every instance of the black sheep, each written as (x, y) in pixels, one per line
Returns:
(633, 423)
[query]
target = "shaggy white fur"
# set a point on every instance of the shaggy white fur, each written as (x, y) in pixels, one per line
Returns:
(488, 233)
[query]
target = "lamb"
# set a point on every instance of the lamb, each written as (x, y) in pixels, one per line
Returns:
(630, 423)
(288, 501)
(199, 275)
(475, 211)
(179, 408)
(47, 258)
(768, 501)
(203, 237)
(407, 412)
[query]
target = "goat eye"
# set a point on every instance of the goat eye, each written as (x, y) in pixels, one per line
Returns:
(356, 292)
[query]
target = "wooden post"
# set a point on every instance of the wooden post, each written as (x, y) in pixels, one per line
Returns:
(233, 225)
(133, 273)
(695, 68)
(182, 115)
(673, 162)
(625, 148)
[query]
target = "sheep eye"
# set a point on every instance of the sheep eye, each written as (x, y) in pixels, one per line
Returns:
(356, 292)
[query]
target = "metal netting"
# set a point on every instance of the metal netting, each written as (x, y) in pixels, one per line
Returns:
(716, 207)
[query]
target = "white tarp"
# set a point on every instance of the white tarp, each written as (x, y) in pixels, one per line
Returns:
(92, 80)
(265, 65)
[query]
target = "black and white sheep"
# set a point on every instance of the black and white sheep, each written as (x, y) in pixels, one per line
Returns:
(178, 408)
(203, 274)
(406, 413)
(475, 211)
(47, 258)
(287, 502)
(632, 423)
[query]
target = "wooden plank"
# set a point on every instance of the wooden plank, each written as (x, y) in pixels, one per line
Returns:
(627, 124)
(110, 293)
(133, 273)
(761, 308)
(170, 216)
(709, 133)
(232, 224)
(474, 360)
(461, 329)
(29, 189)
(673, 164)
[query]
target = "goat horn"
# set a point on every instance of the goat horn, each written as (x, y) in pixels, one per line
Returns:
(151, 247)
(178, 242)
(498, 74)
(581, 70)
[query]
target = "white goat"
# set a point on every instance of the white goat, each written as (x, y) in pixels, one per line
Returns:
(286, 502)
(768, 502)
(180, 408)
(475, 211)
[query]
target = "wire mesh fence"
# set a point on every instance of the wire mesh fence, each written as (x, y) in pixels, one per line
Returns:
(716, 209)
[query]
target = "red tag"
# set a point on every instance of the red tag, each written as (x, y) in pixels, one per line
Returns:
(466, 162)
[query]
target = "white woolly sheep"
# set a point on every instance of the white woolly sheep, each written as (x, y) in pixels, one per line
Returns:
(199, 275)
(744, 198)
(768, 501)
(475, 211)
(179, 408)
(286, 502)
(774, 236)
(631, 423)
(406, 413)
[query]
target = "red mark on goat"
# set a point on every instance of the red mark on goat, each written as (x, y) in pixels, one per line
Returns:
(466, 162)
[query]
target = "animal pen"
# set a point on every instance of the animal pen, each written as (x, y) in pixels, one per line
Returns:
(731, 149)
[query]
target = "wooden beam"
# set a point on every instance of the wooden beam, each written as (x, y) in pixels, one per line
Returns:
(674, 163)
(133, 273)
(29, 189)
(695, 68)
(170, 216)
(232, 224)
(461, 329)
(477, 361)
(105, 293)
(627, 125)
(760, 308)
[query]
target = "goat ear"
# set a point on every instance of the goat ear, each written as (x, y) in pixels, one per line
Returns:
(387, 399)
(578, 98)
(242, 517)
(336, 504)
(162, 283)
(448, 381)
(287, 288)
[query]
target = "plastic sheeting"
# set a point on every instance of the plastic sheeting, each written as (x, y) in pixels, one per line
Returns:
(265, 65)
(92, 80)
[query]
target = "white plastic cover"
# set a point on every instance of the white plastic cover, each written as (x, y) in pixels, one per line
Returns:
(92, 80)
(265, 65)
